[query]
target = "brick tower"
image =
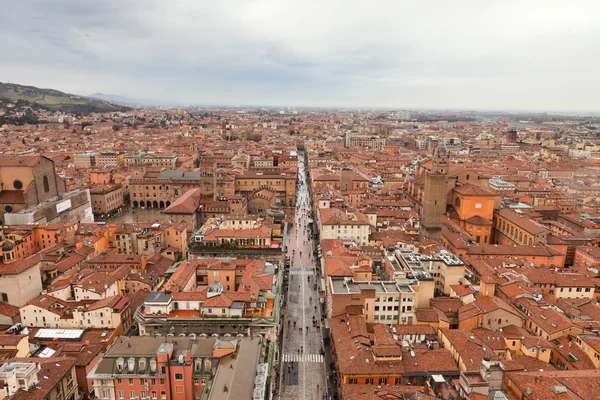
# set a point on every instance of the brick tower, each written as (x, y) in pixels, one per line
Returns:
(435, 194)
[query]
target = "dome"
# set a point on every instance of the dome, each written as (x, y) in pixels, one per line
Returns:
(7, 246)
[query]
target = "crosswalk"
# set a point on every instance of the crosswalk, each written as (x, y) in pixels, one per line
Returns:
(302, 272)
(303, 358)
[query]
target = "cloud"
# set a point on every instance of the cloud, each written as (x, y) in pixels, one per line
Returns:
(427, 54)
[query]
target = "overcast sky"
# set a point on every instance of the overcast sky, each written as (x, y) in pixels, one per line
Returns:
(533, 55)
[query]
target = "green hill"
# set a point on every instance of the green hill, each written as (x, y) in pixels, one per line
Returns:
(58, 101)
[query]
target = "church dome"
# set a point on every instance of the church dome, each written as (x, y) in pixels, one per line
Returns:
(7, 246)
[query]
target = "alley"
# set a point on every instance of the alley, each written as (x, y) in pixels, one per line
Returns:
(302, 367)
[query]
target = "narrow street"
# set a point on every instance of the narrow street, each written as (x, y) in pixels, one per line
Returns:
(302, 362)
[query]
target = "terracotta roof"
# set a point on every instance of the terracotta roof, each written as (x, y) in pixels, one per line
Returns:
(186, 204)
(472, 190)
(19, 161)
(18, 266)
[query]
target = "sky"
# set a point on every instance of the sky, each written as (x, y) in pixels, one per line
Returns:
(431, 54)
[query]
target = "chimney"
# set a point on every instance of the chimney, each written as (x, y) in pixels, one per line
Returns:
(529, 390)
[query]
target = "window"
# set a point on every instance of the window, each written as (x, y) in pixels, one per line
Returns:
(369, 381)
(383, 381)
(131, 394)
(178, 377)
(121, 395)
(398, 381)
(196, 381)
(8, 208)
(353, 381)
(17, 184)
(130, 381)
(46, 184)
(4, 298)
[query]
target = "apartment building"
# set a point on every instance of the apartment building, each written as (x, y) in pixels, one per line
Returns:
(281, 184)
(51, 378)
(514, 228)
(240, 293)
(148, 239)
(381, 301)
(181, 368)
(151, 159)
(106, 199)
(445, 268)
(239, 232)
(335, 223)
(20, 280)
(51, 312)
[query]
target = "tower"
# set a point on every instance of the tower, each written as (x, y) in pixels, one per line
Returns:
(435, 194)
(346, 176)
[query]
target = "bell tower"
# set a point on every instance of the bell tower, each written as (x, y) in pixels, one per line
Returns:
(435, 195)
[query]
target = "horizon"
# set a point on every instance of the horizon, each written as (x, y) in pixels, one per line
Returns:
(532, 57)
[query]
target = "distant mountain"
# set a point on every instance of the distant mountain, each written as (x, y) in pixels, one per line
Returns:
(58, 101)
(128, 101)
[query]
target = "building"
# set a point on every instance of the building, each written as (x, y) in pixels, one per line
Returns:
(73, 206)
(27, 181)
(393, 355)
(523, 385)
(241, 294)
(434, 195)
(20, 280)
(239, 231)
(50, 312)
(370, 141)
(106, 199)
(89, 159)
(84, 159)
(474, 210)
(177, 368)
(156, 187)
(515, 228)
(185, 209)
(381, 301)
(444, 268)
(336, 223)
(50, 378)
(346, 176)
(151, 159)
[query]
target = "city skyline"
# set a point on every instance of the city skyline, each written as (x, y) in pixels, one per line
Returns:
(537, 56)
